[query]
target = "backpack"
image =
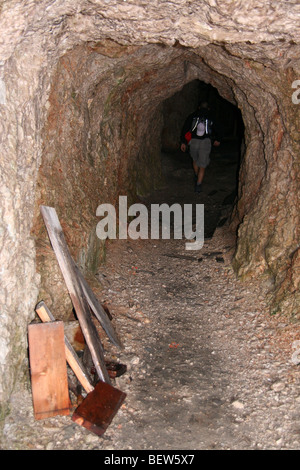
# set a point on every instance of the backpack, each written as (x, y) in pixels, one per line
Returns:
(202, 125)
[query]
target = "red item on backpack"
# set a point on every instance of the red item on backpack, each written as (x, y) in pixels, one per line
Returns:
(188, 136)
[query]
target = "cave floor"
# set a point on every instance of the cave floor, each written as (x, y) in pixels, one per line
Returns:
(208, 367)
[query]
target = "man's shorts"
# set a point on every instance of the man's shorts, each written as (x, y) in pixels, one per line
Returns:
(200, 151)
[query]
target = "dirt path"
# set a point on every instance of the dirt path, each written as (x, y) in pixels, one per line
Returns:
(208, 367)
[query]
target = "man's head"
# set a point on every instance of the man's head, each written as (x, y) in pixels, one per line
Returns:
(203, 105)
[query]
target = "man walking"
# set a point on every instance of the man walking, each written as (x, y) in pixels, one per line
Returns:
(198, 133)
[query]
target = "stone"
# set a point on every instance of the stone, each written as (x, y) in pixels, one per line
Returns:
(278, 386)
(238, 405)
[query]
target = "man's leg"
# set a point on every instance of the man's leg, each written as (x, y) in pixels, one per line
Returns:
(198, 186)
(199, 172)
(203, 160)
(195, 149)
(200, 175)
(196, 169)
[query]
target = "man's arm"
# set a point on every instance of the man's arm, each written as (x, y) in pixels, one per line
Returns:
(186, 127)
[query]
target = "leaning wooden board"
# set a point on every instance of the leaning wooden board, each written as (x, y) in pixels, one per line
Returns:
(97, 309)
(48, 370)
(81, 306)
(46, 316)
(98, 409)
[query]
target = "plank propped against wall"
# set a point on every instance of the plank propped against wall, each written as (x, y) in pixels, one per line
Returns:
(48, 370)
(97, 309)
(81, 306)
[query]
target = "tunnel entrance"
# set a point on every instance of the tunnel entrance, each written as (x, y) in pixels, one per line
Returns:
(115, 132)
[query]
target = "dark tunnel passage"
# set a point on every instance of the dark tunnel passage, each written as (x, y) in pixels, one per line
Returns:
(221, 179)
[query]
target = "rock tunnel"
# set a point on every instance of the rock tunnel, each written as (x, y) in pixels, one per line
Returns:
(82, 92)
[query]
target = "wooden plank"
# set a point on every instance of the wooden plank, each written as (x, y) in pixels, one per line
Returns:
(48, 370)
(98, 409)
(81, 306)
(73, 360)
(98, 310)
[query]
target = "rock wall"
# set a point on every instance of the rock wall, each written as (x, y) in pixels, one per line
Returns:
(81, 88)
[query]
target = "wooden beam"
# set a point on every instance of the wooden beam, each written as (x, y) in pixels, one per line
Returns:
(48, 370)
(98, 310)
(73, 360)
(81, 306)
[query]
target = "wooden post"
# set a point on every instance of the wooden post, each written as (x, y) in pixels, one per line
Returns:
(48, 370)
(81, 306)
(97, 309)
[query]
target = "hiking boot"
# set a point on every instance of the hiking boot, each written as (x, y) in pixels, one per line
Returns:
(198, 188)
